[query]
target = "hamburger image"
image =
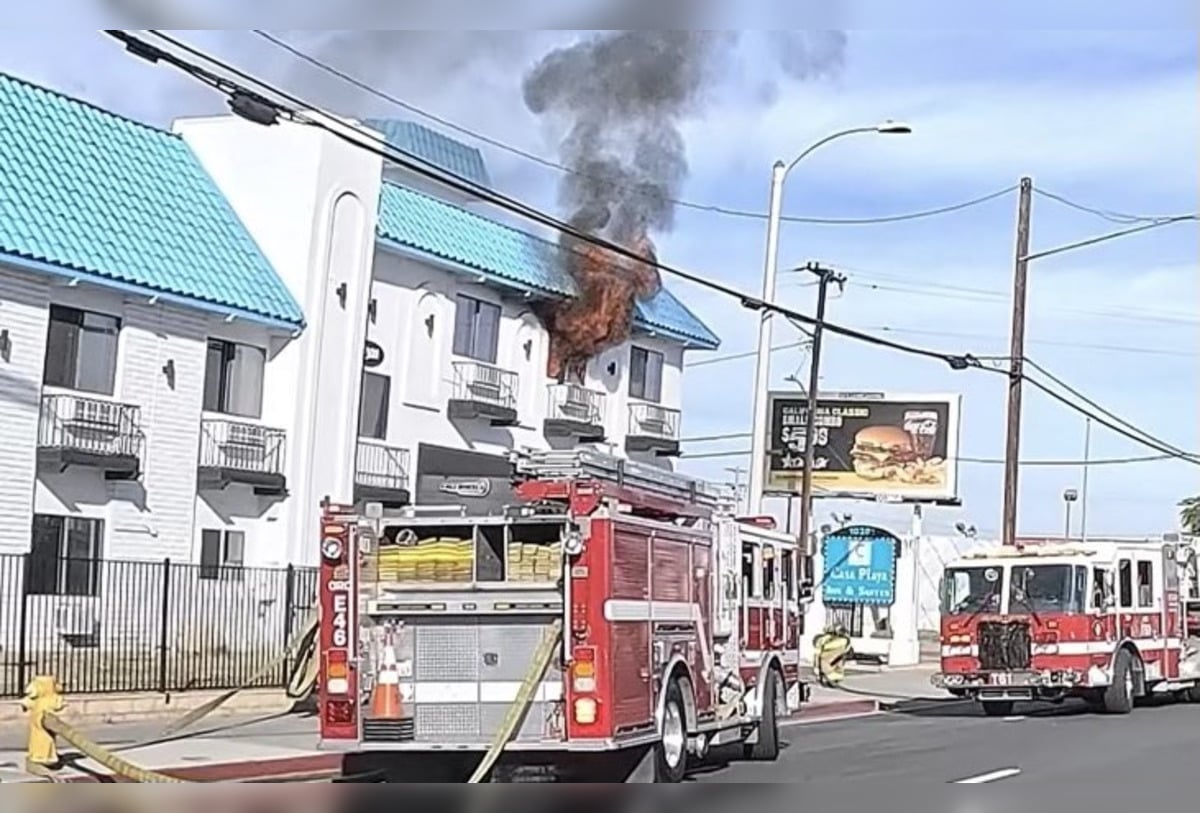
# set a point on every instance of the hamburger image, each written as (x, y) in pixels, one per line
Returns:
(883, 452)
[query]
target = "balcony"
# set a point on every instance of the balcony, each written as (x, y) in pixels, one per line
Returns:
(653, 428)
(245, 453)
(75, 430)
(381, 475)
(573, 411)
(483, 392)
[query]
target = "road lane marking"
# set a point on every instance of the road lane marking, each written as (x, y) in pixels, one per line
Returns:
(984, 778)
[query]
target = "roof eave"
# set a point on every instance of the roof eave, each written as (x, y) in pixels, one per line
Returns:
(227, 312)
(689, 341)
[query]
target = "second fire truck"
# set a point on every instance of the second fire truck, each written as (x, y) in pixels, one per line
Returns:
(1108, 622)
(615, 616)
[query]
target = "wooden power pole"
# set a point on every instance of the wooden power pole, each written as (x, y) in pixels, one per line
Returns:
(1016, 366)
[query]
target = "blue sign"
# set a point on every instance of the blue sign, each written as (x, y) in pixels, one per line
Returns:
(860, 566)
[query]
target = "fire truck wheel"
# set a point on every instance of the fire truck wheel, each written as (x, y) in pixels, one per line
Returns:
(1192, 694)
(766, 749)
(1118, 697)
(997, 708)
(670, 755)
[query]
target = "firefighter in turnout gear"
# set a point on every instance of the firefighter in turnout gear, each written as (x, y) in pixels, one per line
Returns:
(832, 649)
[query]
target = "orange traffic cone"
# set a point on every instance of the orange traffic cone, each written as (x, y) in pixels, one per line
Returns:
(385, 700)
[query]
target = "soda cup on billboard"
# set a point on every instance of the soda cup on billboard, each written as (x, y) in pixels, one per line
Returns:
(922, 426)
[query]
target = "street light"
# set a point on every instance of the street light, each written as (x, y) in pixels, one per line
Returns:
(762, 370)
(1069, 496)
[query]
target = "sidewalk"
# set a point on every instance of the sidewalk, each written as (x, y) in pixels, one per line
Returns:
(244, 747)
(886, 687)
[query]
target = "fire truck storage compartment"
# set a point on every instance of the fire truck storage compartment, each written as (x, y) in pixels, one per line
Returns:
(462, 550)
(464, 637)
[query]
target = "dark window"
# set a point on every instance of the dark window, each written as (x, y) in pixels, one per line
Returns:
(476, 329)
(750, 585)
(645, 374)
(789, 574)
(222, 554)
(1125, 584)
(64, 559)
(1145, 584)
(81, 350)
(768, 573)
(233, 378)
(373, 409)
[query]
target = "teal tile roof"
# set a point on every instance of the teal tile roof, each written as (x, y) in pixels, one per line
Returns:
(120, 204)
(420, 224)
(431, 146)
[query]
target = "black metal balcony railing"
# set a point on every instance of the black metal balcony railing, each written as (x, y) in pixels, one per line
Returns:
(381, 467)
(575, 403)
(231, 446)
(653, 421)
(90, 426)
(484, 384)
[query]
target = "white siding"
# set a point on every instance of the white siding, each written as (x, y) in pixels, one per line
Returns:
(23, 314)
(170, 411)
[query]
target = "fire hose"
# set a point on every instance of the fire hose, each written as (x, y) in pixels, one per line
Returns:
(520, 706)
(43, 702)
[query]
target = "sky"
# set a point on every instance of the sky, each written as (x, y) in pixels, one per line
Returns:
(1108, 119)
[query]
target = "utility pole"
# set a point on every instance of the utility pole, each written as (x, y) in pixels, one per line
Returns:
(825, 276)
(1087, 460)
(1016, 365)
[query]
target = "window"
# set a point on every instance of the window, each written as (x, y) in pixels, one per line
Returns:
(373, 410)
(233, 378)
(1145, 584)
(65, 556)
(768, 573)
(1125, 584)
(749, 585)
(645, 374)
(222, 554)
(81, 350)
(1101, 588)
(476, 329)
(789, 574)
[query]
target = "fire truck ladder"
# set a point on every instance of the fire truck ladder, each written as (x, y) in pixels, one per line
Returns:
(584, 464)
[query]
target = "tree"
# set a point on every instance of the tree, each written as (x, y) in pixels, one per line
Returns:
(1189, 515)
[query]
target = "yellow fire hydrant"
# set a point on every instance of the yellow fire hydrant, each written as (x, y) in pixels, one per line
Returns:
(832, 647)
(41, 698)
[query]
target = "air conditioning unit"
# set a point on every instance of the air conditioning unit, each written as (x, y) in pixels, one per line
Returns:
(76, 620)
(245, 434)
(97, 413)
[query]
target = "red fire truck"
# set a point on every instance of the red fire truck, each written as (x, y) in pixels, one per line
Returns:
(1107, 622)
(671, 627)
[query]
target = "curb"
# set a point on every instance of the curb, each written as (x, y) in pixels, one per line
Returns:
(270, 770)
(836, 710)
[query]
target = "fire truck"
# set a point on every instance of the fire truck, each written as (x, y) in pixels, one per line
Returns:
(1108, 622)
(615, 617)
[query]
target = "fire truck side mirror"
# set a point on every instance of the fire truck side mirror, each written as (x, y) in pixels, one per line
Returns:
(806, 590)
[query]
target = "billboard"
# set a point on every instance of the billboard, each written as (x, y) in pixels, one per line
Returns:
(860, 566)
(867, 445)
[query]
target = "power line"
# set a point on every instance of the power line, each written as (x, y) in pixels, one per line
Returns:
(1106, 214)
(377, 146)
(989, 461)
(259, 108)
(366, 87)
(1103, 348)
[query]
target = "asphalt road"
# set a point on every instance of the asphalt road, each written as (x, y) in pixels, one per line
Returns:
(953, 743)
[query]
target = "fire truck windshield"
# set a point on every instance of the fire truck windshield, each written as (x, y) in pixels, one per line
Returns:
(971, 590)
(1047, 589)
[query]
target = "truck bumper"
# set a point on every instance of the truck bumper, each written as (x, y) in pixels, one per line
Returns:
(1023, 681)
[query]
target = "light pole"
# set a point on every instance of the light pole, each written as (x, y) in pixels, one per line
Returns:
(762, 370)
(1087, 460)
(1069, 497)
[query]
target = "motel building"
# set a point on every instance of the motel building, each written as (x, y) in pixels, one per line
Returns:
(206, 331)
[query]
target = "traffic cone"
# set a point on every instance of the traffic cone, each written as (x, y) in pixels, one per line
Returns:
(385, 700)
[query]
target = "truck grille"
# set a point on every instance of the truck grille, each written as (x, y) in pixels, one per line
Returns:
(1004, 645)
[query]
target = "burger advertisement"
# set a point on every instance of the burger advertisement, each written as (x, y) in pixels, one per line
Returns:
(873, 445)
